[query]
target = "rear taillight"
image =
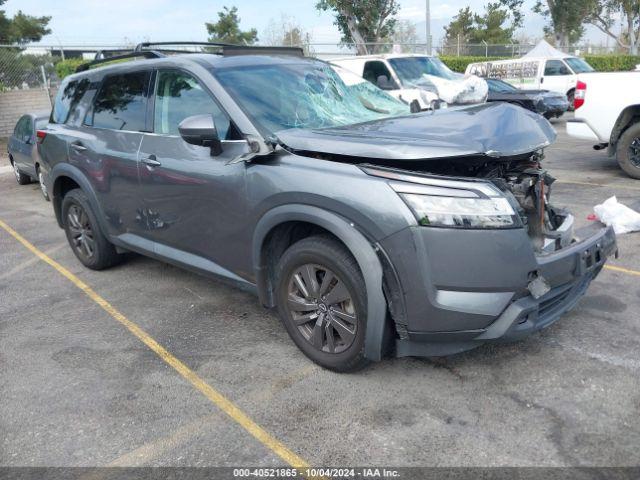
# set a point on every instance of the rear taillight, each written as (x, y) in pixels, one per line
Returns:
(40, 134)
(579, 95)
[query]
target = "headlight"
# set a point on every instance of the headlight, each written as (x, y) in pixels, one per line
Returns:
(461, 212)
(451, 203)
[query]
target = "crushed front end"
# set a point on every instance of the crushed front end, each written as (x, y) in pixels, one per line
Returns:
(464, 281)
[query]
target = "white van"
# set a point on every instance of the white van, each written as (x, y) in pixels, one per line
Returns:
(381, 70)
(542, 68)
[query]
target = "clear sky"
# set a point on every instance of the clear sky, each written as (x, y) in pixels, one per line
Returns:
(113, 21)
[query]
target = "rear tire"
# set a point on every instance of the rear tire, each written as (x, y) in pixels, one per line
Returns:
(87, 242)
(21, 178)
(322, 301)
(628, 151)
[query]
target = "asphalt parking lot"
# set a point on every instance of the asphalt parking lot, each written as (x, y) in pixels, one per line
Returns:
(77, 388)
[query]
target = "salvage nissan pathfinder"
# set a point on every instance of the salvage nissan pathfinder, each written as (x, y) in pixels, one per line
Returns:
(371, 230)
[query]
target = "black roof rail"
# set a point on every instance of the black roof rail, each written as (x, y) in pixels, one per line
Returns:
(228, 49)
(142, 50)
(141, 46)
(102, 54)
(107, 59)
(257, 50)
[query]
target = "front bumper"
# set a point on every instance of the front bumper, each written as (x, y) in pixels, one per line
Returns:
(492, 302)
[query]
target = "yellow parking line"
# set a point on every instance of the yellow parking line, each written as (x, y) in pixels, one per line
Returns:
(207, 390)
(32, 260)
(623, 270)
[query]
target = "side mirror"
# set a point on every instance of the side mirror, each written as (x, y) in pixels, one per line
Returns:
(384, 83)
(200, 130)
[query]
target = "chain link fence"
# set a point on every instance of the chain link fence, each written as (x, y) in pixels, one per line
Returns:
(20, 70)
(30, 67)
(515, 50)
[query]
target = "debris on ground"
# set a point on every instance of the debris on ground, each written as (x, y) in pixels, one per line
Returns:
(622, 218)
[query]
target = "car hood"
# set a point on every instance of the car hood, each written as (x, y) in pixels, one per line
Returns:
(491, 129)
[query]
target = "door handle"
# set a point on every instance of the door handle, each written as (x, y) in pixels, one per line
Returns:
(151, 161)
(78, 147)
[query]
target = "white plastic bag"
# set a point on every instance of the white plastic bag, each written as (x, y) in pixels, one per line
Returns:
(465, 90)
(622, 218)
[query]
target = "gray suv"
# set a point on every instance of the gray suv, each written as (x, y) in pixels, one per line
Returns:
(371, 230)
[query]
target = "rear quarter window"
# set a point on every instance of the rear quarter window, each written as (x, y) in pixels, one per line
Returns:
(67, 99)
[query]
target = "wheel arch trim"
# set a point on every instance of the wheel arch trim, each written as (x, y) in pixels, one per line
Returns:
(361, 248)
(66, 170)
(624, 120)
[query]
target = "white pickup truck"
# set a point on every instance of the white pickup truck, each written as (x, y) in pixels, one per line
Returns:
(607, 112)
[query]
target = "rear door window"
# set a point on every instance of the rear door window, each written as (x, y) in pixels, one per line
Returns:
(67, 99)
(121, 103)
(178, 96)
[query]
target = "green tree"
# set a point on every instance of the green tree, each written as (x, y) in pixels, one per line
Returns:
(363, 21)
(227, 29)
(460, 28)
(21, 28)
(491, 28)
(604, 14)
(566, 17)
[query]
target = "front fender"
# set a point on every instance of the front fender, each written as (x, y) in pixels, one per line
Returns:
(358, 245)
(65, 170)
(622, 122)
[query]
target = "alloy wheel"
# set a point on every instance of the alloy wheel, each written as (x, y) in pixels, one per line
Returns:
(43, 187)
(634, 152)
(16, 171)
(82, 237)
(322, 308)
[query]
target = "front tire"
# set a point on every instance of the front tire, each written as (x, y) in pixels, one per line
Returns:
(628, 151)
(322, 302)
(88, 243)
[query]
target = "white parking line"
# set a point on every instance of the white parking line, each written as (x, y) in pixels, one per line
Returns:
(6, 169)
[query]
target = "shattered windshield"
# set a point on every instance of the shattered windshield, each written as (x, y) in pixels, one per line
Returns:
(372, 97)
(411, 70)
(300, 95)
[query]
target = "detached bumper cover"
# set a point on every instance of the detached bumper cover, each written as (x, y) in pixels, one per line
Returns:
(572, 268)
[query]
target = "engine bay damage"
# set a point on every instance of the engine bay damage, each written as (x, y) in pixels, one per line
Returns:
(522, 179)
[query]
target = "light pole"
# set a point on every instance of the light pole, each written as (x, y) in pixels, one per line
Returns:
(428, 27)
